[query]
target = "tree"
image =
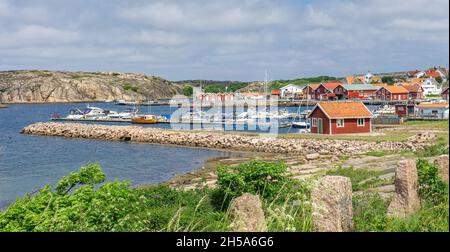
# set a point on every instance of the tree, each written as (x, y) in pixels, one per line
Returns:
(188, 91)
(439, 79)
(388, 80)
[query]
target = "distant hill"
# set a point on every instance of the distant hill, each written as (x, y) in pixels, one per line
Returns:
(39, 86)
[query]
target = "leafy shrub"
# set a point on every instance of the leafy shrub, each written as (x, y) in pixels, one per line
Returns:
(256, 177)
(431, 187)
(188, 90)
(113, 206)
(129, 87)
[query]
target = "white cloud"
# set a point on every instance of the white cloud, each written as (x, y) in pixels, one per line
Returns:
(207, 15)
(235, 39)
(35, 34)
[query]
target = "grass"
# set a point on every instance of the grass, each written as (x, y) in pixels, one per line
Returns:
(360, 178)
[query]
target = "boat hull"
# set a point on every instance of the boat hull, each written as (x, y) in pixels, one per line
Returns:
(144, 121)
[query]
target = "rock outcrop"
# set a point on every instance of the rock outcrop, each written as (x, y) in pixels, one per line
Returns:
(210, 139)
(442, 163)
(247, 214)
(48, 86)
(406, 200)
(332, 208)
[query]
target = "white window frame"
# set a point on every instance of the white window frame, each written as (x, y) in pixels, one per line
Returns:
(314, 122)
(363, 122)
(338, 124)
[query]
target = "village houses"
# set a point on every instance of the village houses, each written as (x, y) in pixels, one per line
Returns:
(392, 93)
(332, 118)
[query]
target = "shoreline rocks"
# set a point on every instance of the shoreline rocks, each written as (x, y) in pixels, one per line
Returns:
(212, 140)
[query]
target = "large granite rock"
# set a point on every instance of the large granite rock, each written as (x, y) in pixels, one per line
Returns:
(332, 209)
(51, 86)
(442, 163)
(247, 214)
(406, 200)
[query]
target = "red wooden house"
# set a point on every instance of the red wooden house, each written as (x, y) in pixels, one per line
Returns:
(355, 91)
(392, 93)
(405, 110)
(325, 91)
(340, 118)
(310, 91)
(415, 91)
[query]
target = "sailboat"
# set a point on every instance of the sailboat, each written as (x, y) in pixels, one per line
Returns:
(304, 126)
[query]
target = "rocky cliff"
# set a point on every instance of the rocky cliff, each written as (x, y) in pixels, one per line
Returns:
(49, 86)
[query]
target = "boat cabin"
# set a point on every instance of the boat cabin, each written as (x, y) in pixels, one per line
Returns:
(333, 118)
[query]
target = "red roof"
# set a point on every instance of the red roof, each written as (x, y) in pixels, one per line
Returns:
(396, 89)
(276, 92)
(335, 110)
(331, 85)
(413, 87)
(313, 86)
(432, 73)
(413, 73)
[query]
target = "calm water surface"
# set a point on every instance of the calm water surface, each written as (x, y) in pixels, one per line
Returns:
(28, 162)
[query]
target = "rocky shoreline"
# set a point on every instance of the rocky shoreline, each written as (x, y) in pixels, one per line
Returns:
(220, 141)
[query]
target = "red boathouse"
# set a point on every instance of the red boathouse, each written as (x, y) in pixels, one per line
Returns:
(333, 118)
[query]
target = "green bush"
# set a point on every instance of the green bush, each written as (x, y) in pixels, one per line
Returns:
(129, 87)
(431, 187)
(188, 90)
(255, 177)
(113, 206)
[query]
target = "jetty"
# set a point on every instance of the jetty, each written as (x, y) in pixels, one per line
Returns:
(219, 123)
(212, 140)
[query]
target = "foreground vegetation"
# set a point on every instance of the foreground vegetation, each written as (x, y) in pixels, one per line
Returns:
(82, 201)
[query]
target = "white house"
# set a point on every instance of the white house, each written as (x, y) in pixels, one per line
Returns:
(368, 77)
(432, 110)
(431, 87)
(420, 74)
(290, 90)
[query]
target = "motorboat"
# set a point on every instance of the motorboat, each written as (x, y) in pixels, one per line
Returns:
(144, 119)
(300, 125)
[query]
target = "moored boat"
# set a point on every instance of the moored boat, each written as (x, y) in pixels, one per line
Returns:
(144, 119)
(3, 106)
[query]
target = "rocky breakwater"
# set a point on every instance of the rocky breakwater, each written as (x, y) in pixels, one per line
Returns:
(212, 140)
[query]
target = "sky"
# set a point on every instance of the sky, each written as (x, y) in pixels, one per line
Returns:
(225, 40)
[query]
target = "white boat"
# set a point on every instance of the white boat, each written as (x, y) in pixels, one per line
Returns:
(384, 111)
(300, 125)
(95, 113)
